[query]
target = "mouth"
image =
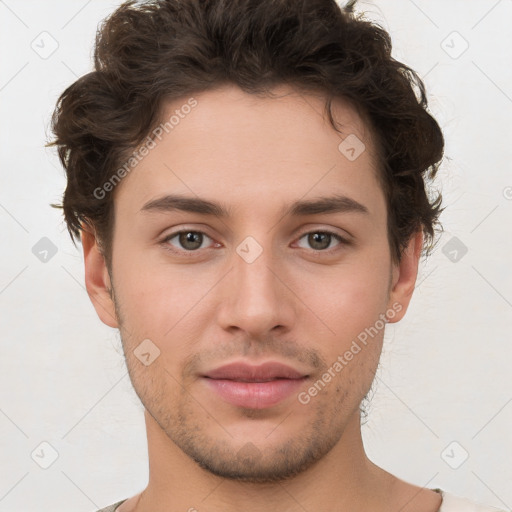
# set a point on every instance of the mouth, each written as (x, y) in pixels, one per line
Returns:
(254, 387)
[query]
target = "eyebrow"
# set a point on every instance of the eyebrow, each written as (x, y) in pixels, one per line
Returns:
(332, 204)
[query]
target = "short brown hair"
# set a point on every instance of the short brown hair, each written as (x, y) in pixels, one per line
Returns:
(152, 51)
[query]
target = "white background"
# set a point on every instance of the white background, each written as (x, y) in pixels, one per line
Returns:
(445, 371)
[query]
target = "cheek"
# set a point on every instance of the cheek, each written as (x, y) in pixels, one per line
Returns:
(141, 281)
(349, 297)
(349, 302)
(166, 305)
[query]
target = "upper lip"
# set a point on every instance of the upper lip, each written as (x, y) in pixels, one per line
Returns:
(250, 373)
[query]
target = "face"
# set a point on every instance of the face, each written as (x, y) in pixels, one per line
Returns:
(288, 262)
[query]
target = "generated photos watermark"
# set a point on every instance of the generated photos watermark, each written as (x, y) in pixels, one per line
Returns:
(304, 397)
(144, 149)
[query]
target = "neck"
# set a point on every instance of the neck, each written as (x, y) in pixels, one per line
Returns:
(345, 479)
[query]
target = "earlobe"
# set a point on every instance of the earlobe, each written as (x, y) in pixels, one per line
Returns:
(404, 277)
(97, 279)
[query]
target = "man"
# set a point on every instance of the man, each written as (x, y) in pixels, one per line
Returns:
(248, 182)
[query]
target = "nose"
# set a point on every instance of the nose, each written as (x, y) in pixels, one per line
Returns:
(256, 298)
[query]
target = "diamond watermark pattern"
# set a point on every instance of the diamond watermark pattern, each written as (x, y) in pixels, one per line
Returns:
(249, 452)
(454, 249)
(146, 352)
(249, 249)
(454, 455)
(45, 45)
(454, 45)
(351, 147)
(44, 455)
(44, 250)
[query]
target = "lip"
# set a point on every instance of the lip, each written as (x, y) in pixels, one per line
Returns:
(251, 373)
(254, 387)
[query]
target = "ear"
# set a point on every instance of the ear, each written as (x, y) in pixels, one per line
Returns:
(97, 279)
(403, 278)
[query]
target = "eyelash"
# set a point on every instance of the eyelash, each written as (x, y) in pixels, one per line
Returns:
(342, 241)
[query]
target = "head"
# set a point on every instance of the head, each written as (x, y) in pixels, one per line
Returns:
(298, 152)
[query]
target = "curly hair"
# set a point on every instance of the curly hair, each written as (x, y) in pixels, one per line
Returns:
(148, 52)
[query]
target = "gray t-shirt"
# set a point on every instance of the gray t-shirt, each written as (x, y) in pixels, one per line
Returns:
(451, 503)
(112, 508)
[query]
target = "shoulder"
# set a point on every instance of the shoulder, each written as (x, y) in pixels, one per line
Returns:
(111, 508)
(454, 503)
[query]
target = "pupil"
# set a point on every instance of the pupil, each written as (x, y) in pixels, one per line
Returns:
(317, 238)
(190, 240)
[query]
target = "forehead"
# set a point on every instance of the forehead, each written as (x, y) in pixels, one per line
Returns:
(225, 139)
(289, 114)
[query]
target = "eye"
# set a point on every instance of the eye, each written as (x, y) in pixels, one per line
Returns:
(321, 240)
(188, 240)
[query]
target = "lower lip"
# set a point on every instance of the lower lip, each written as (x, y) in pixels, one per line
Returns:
(255, 395)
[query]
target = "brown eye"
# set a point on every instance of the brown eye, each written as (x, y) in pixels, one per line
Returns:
(321, 240)
(187, 240)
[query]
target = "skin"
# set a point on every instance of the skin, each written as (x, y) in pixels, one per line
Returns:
(299, 302)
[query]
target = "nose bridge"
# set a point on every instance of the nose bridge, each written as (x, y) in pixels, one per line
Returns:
(256, 302)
